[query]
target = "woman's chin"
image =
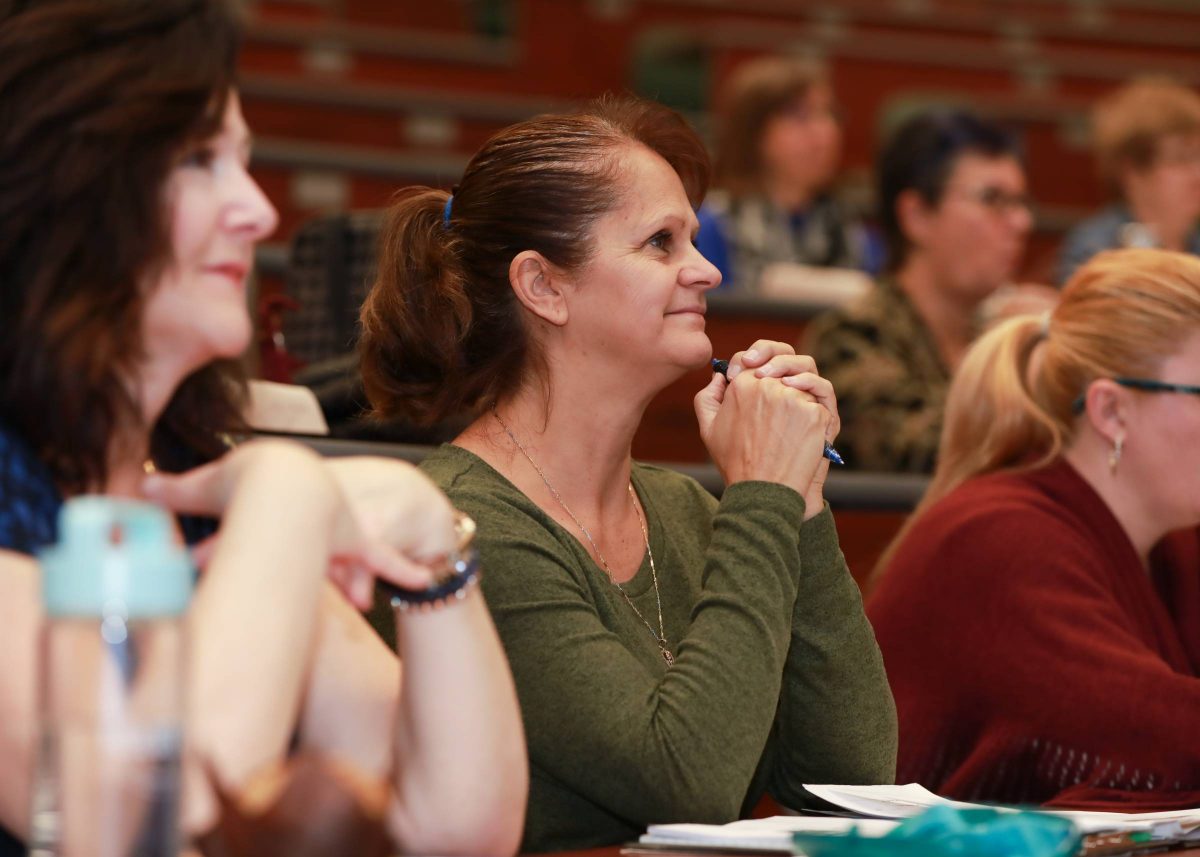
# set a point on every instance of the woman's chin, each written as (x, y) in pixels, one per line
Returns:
(701, 352)
(695, 356)
(232, 341)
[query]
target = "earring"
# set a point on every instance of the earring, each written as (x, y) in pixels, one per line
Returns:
(1114, 457)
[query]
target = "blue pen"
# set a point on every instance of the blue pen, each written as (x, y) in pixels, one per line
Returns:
(722, 366)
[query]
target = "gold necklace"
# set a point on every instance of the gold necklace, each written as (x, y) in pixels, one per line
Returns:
(660, 637)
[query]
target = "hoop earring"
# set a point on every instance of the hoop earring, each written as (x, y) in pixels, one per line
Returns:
(1114, 457)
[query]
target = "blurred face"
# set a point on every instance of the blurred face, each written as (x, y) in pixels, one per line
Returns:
(196, 312)
(640, 300)
(801, 144)
(1168, 191)
(1162, 442)
(973, 239)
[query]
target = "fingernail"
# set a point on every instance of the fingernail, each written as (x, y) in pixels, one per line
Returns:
(752, 354)
(364, 589)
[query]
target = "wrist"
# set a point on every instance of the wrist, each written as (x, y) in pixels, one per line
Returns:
(454, 577)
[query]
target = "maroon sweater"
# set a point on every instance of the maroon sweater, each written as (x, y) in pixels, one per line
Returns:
(1033, 659)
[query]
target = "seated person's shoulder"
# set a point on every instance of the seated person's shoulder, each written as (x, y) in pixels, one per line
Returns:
(1100, 227)
(518, 542)
(995, 521)
(996, 501)
(478, 489)
(861, 353)
(866, 317)
(673, 490)
(455, 469)
(1101, 231)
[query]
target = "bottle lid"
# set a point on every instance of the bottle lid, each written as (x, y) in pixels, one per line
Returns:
(115, 557)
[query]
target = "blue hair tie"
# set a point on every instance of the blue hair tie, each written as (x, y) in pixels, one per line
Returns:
(446, 211)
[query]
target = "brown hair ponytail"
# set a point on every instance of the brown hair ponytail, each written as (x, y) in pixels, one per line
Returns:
(443, 332)
(420, 325)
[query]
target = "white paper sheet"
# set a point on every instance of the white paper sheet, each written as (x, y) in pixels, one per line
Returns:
(910, 799)
(774, 834)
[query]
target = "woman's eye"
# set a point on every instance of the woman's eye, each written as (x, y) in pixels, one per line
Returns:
(201, 158)
(661, 240)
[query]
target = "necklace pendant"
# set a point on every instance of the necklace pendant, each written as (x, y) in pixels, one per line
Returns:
(667, 656)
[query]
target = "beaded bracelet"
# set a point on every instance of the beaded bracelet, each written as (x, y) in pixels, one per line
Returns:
(464, 575)
(460, 576)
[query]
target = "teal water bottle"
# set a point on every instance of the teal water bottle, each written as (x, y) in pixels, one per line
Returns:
(114, 590)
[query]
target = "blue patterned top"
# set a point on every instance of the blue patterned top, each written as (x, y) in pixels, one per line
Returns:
(29, 500)
(1106, 230)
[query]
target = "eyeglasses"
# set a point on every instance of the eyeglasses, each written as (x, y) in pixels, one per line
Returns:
(800, 111)
(999, 201)
(1179, 152)
(1146, 385)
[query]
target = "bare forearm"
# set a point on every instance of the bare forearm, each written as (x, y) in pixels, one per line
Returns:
(253, 618)
(353, 690)
(20, 616)
(459, 739)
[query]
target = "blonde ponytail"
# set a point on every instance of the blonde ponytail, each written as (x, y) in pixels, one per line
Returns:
(1011, 404)
(993, 418)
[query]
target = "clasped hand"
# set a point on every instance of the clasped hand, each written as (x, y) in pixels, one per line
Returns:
(770, 420)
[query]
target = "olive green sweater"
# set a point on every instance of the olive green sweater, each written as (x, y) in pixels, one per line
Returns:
(777, 679)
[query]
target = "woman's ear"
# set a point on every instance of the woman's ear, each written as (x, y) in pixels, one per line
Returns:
(538, 286)
(1105, 405)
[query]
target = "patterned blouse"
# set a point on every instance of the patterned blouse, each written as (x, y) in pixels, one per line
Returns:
(29, 500)
(890, 379)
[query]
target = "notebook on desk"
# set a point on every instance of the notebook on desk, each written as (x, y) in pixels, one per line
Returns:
(874, 811)
(757, 835)
(903, 801)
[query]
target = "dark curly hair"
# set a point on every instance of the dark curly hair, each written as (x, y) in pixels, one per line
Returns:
(98, 98)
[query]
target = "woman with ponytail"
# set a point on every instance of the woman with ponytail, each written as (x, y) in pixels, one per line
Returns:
(1040, 612)
(675, 658)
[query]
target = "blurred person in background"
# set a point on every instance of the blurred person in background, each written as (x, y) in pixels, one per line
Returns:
(1147, 141)
(955, 213)
(1040, 611)
(772, 223)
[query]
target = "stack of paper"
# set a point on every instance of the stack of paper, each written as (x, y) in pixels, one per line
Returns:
(758, 834)
(877, 809)
(907, 800)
